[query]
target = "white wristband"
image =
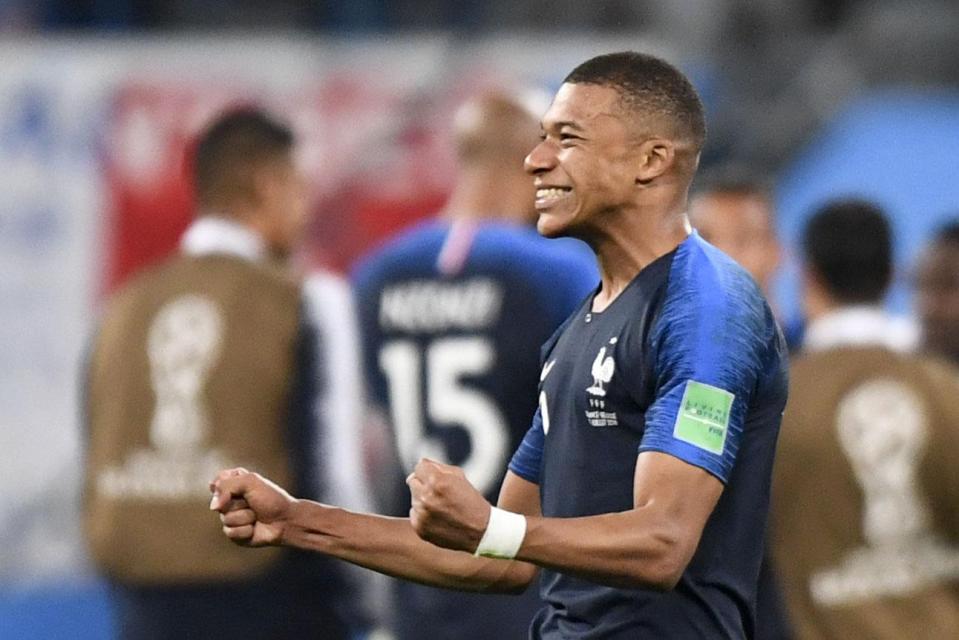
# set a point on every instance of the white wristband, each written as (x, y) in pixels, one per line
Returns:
(503, 536)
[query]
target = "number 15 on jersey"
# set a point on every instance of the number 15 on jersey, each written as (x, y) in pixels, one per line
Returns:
(449, 403)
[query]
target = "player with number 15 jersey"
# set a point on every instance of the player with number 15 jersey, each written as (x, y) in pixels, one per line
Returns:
(449, 350)
(452, 317)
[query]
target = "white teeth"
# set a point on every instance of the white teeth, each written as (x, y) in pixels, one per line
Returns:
(545, 194)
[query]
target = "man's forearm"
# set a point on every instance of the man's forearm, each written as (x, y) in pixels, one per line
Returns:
(390, 546)
(627, 549)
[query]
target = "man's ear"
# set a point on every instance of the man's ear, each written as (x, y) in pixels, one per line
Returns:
(655, 157)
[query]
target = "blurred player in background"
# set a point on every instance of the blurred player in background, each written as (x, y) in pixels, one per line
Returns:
(453, 314)
(937, 294)
(734, 210)
(865, 508)
(641, 488)
(219, 356)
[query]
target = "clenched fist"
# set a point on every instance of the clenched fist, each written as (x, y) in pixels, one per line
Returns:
(447, 510)
(254, 511)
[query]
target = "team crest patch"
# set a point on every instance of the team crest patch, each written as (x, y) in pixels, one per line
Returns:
(703, 418)
(602, 372)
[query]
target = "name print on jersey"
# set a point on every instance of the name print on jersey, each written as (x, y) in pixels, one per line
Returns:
(602, 371)
(430, 307)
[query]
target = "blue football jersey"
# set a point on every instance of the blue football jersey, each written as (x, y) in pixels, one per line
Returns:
(686, 361)
(452, 319)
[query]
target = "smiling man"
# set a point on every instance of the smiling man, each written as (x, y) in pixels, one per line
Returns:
(642, 487)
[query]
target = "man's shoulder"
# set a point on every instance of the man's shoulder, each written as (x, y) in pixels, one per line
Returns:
(140, 284)
(212, 275)
(708, 288)
(564, 267)
(714, 322)
(702, 269)
(513, 252)
(418, 243)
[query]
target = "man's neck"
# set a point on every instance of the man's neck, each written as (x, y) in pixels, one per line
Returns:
(817, 302)
(629, 244)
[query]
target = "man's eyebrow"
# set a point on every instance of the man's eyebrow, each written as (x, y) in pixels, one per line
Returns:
(561, 124)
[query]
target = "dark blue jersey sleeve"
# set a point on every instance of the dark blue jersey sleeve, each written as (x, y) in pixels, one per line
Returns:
(528, 459)
(708, 345)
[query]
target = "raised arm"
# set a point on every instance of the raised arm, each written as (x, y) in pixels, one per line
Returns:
(255, 512)
(646, 546)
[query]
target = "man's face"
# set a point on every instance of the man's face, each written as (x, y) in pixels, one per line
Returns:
(937, 299)
(284, 210)
(741, 226)
(583, 165)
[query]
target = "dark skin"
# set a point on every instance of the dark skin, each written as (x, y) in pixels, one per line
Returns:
(621, 186)
(937, 299)
(272, 201)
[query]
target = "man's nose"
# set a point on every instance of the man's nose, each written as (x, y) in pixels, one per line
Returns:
(541, 159)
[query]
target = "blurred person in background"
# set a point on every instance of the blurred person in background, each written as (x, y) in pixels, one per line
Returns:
(865, 509)
(937, 294)
(842, 298)
(733, 209)
(218, 356)
(453, 314)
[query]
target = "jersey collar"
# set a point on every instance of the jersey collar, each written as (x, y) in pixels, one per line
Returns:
(861, 326)
(213, 234)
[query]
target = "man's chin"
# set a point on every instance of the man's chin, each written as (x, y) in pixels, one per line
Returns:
(549, 226)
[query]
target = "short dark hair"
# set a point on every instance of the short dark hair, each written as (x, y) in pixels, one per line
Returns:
(232, 146)
(848, 245)
(648, 84)
(947, 234)
(733, 179)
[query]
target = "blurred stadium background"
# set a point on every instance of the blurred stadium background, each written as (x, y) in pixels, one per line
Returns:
(99, 98)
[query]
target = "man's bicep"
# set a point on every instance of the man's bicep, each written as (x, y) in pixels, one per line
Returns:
(519, 496)
(682, 493)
